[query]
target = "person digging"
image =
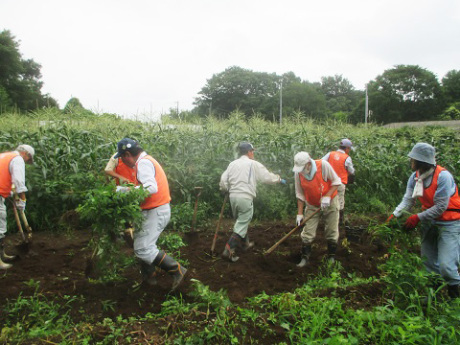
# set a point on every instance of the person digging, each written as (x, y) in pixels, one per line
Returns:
(316, 186)
(439, 220)
(342, 164)
(240, 181)
(156, 210)
(12, 172)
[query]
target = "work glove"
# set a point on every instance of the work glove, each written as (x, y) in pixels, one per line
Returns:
(299, 219)
(325, 202)
(390, 218)
(411, 222)
(283, 181)
(20, 204)
(122, 189)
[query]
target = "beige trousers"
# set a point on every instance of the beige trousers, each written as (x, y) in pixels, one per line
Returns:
(331, 220)
(341, 196)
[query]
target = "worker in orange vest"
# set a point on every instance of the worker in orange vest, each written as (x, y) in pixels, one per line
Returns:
(439, 220)
(316, 185)
(342, 164)
(12, 172)
(156, 210)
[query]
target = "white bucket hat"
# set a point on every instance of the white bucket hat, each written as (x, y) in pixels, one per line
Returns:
(27, 148)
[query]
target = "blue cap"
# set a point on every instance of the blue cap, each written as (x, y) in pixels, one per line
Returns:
(245, 147)
(124, 145)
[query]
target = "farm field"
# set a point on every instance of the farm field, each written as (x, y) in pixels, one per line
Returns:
(377, 292)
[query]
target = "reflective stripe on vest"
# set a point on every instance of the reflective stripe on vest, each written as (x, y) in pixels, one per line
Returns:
(427, 200)
(5, 175)
(337, 161)
(315, 189)
(125, 171)
(161, 197)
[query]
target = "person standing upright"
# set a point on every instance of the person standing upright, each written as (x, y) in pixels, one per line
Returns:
(240, 181)
(342, 164)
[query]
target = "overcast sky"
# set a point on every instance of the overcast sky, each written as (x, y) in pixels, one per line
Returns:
(143, 57)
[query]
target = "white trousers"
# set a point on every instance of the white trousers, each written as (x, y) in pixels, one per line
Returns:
(2, 217)
(145, 239)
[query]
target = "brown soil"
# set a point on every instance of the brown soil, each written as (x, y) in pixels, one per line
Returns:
(58, 262)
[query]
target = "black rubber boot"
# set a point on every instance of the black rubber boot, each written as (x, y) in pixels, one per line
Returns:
(168, 264)
(331, 250)
(453, 291)
(234, 241)
(246, 244)
(5, 258)
(148, 273)
(305, 256)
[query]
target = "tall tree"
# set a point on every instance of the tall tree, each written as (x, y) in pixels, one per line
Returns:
(236, 88)
(20, 84)
(340, 94)
(451, 86)
(405, 93)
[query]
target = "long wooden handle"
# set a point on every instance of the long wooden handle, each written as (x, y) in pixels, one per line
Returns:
(18, 222)
(26, 223)
(272, 248)
(218, 223)
(195, 210)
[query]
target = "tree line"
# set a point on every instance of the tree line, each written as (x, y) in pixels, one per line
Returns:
(401, 93)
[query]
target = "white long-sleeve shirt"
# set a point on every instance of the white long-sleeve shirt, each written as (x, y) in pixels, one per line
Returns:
(241, 177)
(328, 174)
(18, 174)
(146, 174)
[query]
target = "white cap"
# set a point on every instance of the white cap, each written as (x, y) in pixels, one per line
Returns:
(300, 159)
(27, 148)
(423, 152)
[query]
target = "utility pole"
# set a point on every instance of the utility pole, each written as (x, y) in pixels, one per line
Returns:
(366, 107)
(281, 100)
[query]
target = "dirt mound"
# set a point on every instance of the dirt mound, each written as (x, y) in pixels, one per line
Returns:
(58, 263)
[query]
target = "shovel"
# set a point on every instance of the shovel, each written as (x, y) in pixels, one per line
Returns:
(24, 246)
(272, 248)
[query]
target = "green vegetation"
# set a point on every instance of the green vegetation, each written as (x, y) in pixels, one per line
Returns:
(71, 152)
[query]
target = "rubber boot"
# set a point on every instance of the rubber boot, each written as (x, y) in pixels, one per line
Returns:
(229, 251)
(331, 250)
(148, 273)
(306, 251)
(3, 256)
(168, 264)
(453, 291)
(246, 244)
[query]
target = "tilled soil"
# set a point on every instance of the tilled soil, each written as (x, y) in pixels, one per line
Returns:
(58, 263)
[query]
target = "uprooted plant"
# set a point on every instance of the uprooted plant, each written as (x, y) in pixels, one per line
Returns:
(110, 213)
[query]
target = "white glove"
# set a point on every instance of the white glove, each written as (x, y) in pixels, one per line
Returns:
(325, 202)
(122, 189)
(20, 204)
(299, 219)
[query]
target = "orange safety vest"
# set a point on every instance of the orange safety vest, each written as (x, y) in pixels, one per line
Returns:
(5, 175)
(161, 197)
(316, 188)
(125, 171)
(427, 200)
(337, 161)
